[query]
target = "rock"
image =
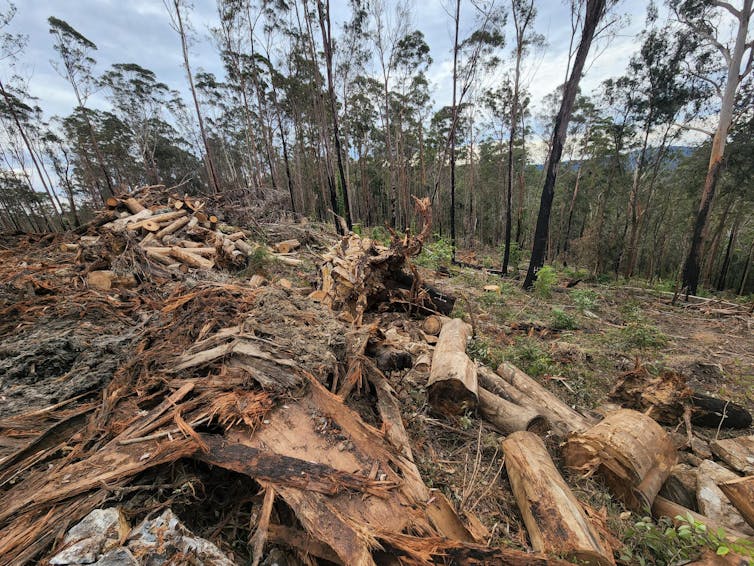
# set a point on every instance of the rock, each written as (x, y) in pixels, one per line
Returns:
(88, 539)
(161, 540)
(117, 557)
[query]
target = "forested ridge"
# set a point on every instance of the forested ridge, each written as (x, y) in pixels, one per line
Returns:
(648, 176)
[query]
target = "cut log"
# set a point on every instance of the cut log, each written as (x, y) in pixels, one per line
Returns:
(173, 227)
(554, 518)
(121, 224)
(159, 256)
(244, 248)
(508, 417)
(712, 501)
(562, 418)
(713, 413)
(105, 280)
(665, 508)
(150, 226)
(112, 202)
(190, 259)
(432, 325)
(158, 218)
(134, 205)
(630, 451)
(740, 492)
(288, 260)
(287, 246)
(738, 452)
(452, 385)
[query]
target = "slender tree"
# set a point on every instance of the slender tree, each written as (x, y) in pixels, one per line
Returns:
(175, 9)
(76, 66)
(595, 10)
(702, 19)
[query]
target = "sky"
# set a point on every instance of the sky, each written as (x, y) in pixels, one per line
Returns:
(139, 31)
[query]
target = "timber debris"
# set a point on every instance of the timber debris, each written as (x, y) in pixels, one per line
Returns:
(149, 392)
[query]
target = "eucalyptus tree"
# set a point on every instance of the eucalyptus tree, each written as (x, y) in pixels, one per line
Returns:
(177, 11)
(325, 25)
(523, 14)
(478, 50)
(139, 100)
(76, 66)
(653, 93)
(389, 27)
(594, 12)
(724, 63)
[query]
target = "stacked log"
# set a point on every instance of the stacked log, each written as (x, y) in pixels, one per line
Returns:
(180, 235)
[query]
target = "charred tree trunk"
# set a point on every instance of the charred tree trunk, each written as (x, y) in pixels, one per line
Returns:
(595, 9)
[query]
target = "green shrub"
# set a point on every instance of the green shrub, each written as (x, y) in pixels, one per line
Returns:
(257, 262)
(436, 254)
(561, 320)
(584, 299)
(663, 543)
(547, 277)
(379, 234)
(530, 357)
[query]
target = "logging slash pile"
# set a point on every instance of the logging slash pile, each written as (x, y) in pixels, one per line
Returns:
(162, 402)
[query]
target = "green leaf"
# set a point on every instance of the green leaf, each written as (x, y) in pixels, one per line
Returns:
(722, 550)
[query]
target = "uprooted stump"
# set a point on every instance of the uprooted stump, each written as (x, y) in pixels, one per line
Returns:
(359, 273)
(632, 453)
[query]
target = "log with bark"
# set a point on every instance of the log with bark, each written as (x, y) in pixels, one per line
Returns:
(527, 392)
(508, 417)
(554, 518)
(452, 385)
(632, 453)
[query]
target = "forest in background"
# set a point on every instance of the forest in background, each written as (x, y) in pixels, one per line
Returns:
(314, 116)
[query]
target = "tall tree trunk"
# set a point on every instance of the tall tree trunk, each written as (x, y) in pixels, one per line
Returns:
(728, 250)
(211, 171)
(325, 27)
(690, 277)
(453, 126)
(747, 266)
(595, 9)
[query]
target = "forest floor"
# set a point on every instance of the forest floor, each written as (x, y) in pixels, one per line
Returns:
(575, 341)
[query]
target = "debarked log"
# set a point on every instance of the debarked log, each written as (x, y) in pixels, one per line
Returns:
(632, 453)
(554, 518)
(740, 492)
(452, 385)
(562, 418)
(508, 417)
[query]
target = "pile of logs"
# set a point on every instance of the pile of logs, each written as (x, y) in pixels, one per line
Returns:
(181, 235)
(630, 451)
